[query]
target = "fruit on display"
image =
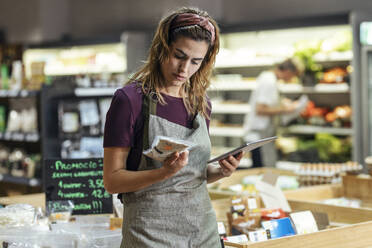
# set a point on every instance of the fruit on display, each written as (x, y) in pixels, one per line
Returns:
(334, 75)
(340, 116)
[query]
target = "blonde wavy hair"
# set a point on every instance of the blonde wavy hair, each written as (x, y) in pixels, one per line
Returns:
(150, 75)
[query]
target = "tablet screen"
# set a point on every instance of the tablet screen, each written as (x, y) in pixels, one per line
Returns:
(245, 147)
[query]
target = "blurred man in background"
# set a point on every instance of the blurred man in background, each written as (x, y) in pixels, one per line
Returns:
(266, 105)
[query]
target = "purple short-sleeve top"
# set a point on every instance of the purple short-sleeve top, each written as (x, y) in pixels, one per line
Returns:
(124, 120)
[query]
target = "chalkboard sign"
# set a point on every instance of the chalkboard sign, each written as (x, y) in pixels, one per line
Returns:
(78, 180)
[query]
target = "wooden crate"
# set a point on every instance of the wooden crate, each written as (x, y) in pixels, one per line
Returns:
(217, 189)
(353, 232)
(352, 187)
(356, 235)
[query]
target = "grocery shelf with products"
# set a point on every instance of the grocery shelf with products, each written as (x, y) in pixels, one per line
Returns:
(73, 121)
(20, 146)
(326, 55)
(27, 77)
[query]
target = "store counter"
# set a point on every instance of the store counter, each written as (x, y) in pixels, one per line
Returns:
(35, 200)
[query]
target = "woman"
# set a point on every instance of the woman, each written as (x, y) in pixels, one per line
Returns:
(167, 204)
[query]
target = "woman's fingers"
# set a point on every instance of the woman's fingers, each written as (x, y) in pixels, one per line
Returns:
(229, 165)
(184, 157)
(172, 158)
(239, 156)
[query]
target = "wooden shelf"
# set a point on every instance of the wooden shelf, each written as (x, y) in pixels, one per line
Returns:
(232, 86)
(226, 131)
(33, 182)
(19, 136)
(95, 91)
(288, 165)
(283, 88)
(308, 129)
(334, 57)
(18, 93)
(317, 89)
(230, 108)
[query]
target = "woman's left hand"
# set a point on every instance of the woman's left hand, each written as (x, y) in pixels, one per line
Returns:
(229, 165)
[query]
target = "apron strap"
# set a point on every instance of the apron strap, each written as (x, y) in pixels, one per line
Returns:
(148, 108)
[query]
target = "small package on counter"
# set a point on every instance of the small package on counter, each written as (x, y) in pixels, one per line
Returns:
(238, 206)
(270, 214)
(304, 222)
(221, 229)
(279, 227)
(163, 146)
(258, 235)
(237, 239)
(17, 215)
(244, 215)
(60, 211)
(250, 221)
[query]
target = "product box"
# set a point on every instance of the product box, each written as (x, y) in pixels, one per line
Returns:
(304, 222)
(279, 227)
(259, 235)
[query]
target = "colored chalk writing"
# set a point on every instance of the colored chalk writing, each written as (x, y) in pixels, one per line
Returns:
(78, 180)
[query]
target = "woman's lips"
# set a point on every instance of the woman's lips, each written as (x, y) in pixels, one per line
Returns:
(179, 77)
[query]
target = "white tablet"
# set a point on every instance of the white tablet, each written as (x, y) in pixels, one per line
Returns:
(244, 148)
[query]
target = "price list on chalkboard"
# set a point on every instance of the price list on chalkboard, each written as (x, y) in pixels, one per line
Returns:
(78, 180)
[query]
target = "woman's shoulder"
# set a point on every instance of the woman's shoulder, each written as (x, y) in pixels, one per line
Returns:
(131, 92)
(130, 95)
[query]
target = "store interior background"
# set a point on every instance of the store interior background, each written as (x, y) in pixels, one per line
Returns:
(56, 23)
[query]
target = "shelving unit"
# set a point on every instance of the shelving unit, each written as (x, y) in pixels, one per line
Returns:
(226, 131)
(91, 92)
(230, 108)
(235, 74)
(309, 129)
(283, 88)
(19, 136)
(27, 141)
(32, 182)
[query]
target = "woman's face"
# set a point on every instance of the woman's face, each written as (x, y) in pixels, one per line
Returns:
(185, 58)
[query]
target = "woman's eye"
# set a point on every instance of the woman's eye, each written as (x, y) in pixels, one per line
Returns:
(194, 62)
(178, 56)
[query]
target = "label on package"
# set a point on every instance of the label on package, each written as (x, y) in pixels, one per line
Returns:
(259, 235)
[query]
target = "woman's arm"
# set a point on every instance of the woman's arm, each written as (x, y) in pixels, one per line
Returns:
(119, 180)
(226, 168)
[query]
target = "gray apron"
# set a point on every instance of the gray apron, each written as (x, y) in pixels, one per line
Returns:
(176, 212)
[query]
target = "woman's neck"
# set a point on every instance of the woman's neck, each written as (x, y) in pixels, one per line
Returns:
(172, 91)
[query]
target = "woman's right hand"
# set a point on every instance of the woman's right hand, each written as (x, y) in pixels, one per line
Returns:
(175, 162)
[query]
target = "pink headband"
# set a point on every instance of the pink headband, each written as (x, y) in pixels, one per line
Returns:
(188, 19)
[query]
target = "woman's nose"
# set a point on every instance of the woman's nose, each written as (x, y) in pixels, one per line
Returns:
(184, 66)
